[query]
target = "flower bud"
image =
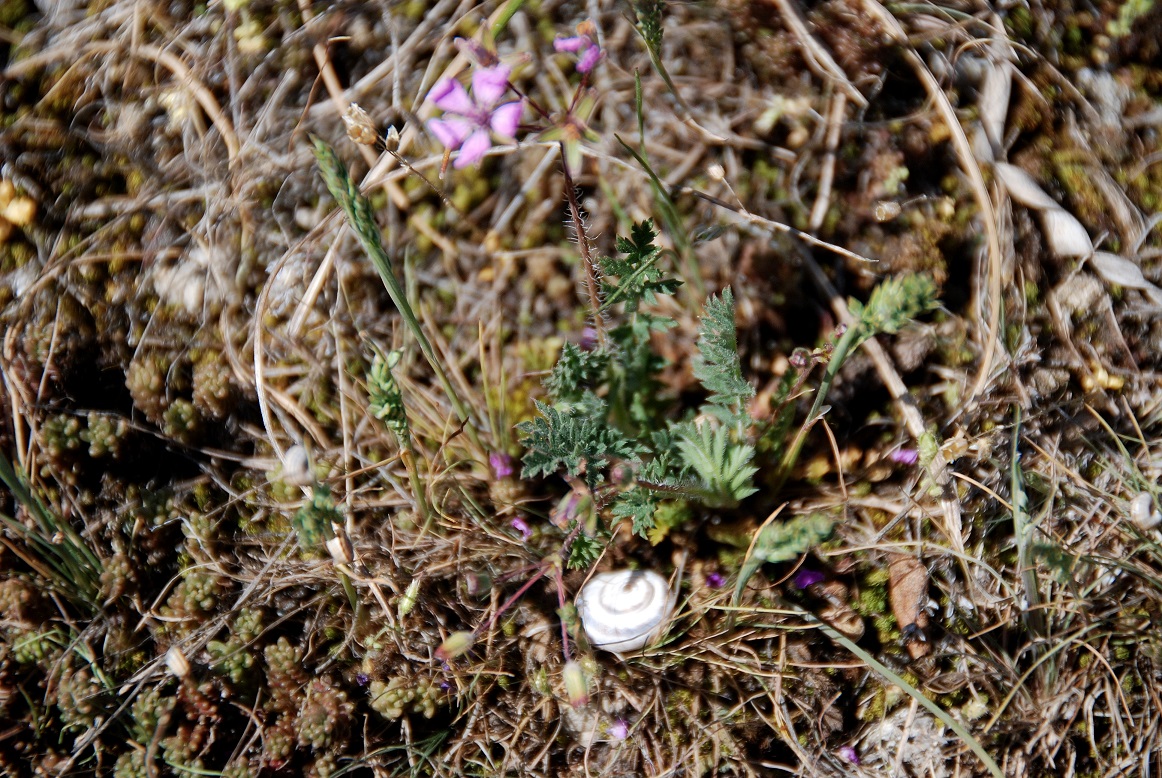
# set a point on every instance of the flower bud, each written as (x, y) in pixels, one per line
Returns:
(477, 584)
(457, 643)
(408, 601)
(576, 684)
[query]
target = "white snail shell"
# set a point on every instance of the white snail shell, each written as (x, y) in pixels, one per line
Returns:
(624, 610)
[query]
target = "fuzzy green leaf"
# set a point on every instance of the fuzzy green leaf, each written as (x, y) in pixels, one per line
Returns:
(579, 444)
(722, 465)
(717, 365)
(584, 552)
(639, 279)
(575, 371)
(638, 505)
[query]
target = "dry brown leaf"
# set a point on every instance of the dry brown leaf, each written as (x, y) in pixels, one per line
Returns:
(838, 614)
(908, 592)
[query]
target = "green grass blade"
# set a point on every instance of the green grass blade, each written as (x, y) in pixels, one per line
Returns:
(357, 209)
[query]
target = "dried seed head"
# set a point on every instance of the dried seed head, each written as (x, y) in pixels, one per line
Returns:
(360, 128)
(886, 210)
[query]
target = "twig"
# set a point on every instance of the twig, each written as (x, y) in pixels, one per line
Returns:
(817, 57)
(827, 174)
(975, 177)
(913, 419)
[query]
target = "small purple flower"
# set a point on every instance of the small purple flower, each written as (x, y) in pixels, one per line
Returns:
(468, 120)
(588, 339)
(619, 729)
(806, 578)
(361, 679)
(519, 525)
(583, 44)
(501, 465)
(905, 456)
(715, 580)
(849, 753)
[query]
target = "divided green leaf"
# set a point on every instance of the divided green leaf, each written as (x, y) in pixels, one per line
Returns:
(639, 278)
(717, 365)
(580, 445)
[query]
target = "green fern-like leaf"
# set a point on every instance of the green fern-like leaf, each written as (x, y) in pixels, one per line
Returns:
(717, 365)
(578, 444)
(639, 278)
(584, 552)
(894, 303)
(575, 371)
(722, 464)
(638, 505)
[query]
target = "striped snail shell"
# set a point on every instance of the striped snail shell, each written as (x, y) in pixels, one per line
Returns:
(624, 610)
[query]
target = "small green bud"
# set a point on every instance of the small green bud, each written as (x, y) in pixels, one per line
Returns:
(456, 644)
(408, 601)
(576, 685)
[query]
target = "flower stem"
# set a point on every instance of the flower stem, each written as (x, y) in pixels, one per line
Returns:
(587, 258)
(849, 339)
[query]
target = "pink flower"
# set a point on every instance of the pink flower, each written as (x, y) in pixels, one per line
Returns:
(619, 730)
(520, 526)
(582, 44)
(468, 120)
(501, 464)
(905, 456)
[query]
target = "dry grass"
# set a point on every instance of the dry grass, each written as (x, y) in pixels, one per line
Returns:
(184, 309)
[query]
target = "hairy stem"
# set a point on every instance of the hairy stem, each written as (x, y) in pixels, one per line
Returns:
(587, 258)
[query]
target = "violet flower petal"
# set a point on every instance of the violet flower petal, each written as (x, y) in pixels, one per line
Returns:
(449, 95)
(905, 456)
(519, 525)
(806, 578)
(506, 118)
(472, 150)
(619, 730)
(450, 132)
(501, 464)
(489, 85)
(589, 59)
(573, 45)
